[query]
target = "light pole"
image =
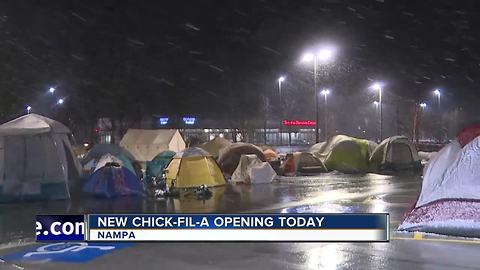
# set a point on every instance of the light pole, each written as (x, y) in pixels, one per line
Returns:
(325, 93)
(280, 80)
(378, 87)
(324, 56)
(438, 94)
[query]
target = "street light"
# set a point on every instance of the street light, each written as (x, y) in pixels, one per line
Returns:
(28, 108)
(423, 105)
(323, 56)
(438, 94)
(60, 101)
(280, 80)
(325, 93)
(378, 87)
(51, 90)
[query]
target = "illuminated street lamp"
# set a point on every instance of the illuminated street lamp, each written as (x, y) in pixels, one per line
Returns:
(60, 101)
(438, 94)
(51, 90)
(325, 93)
(323, 56)
(378, 87)
(280, 80)
(423, 105)
(28, 108)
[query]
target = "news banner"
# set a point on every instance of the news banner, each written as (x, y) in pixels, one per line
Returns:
(214, 227)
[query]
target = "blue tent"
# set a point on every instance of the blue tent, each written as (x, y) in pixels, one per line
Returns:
(112, 181)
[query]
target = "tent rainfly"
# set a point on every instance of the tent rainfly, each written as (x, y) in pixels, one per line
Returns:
(145, 144)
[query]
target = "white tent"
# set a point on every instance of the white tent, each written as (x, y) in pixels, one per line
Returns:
(145, 144)
(252, 170)
(395, 153)
(36, 159)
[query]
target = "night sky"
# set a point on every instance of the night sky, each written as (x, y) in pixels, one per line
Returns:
(219, 58)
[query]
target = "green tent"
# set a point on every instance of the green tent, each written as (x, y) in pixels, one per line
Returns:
(345, 154)
(158, 164)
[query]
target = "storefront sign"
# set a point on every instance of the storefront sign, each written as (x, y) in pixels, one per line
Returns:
(298, 123)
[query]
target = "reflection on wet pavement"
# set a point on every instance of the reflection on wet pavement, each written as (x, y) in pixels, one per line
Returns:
(334, 192)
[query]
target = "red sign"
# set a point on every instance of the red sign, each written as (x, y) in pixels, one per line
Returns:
(299, 123)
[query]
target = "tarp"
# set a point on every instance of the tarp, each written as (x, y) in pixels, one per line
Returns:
(343, 153)
(449, 202)
(193, 167)
(36, 159)
(158, 164)
(252, 170)
(395, 154)
(145, 144)
(214, 146)
(113, 181)
(230, 156)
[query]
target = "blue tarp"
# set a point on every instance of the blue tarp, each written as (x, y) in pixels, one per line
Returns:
(111, 181)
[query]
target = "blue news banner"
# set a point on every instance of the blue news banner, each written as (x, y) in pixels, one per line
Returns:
(216, 227)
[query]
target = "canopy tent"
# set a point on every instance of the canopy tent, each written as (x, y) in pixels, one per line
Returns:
(36, 159)
(112, 180)
(214, 146)
(101, 149)
(449, 202)
(395, 154)
(303, 163)
(252, 170)
(158, 164)
(193, 167)
(343, 153)
(145, 144)
(230, 156)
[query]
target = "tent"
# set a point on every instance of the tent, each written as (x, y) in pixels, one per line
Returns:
(214, 146)
(158, 164)
(252, 170)
(270, 154)
(192, 168)
(449, 202)
(303, 163)
(101, 149)
(395, 154)
(230, 156)
(113, 180)
(96, 163)
(145, 144)
(343, 153)
(36, 159)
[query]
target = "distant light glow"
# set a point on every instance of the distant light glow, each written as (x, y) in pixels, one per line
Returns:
(29, 108)
(325, 55)
(437, 92)
(375, 103)
(376, 86)
(189, 120)
(325, 92)
(51, 90)
(308, 57)
(60, 101)
(423, 105)
(281, 79)
(86, 145)
(163, 120)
